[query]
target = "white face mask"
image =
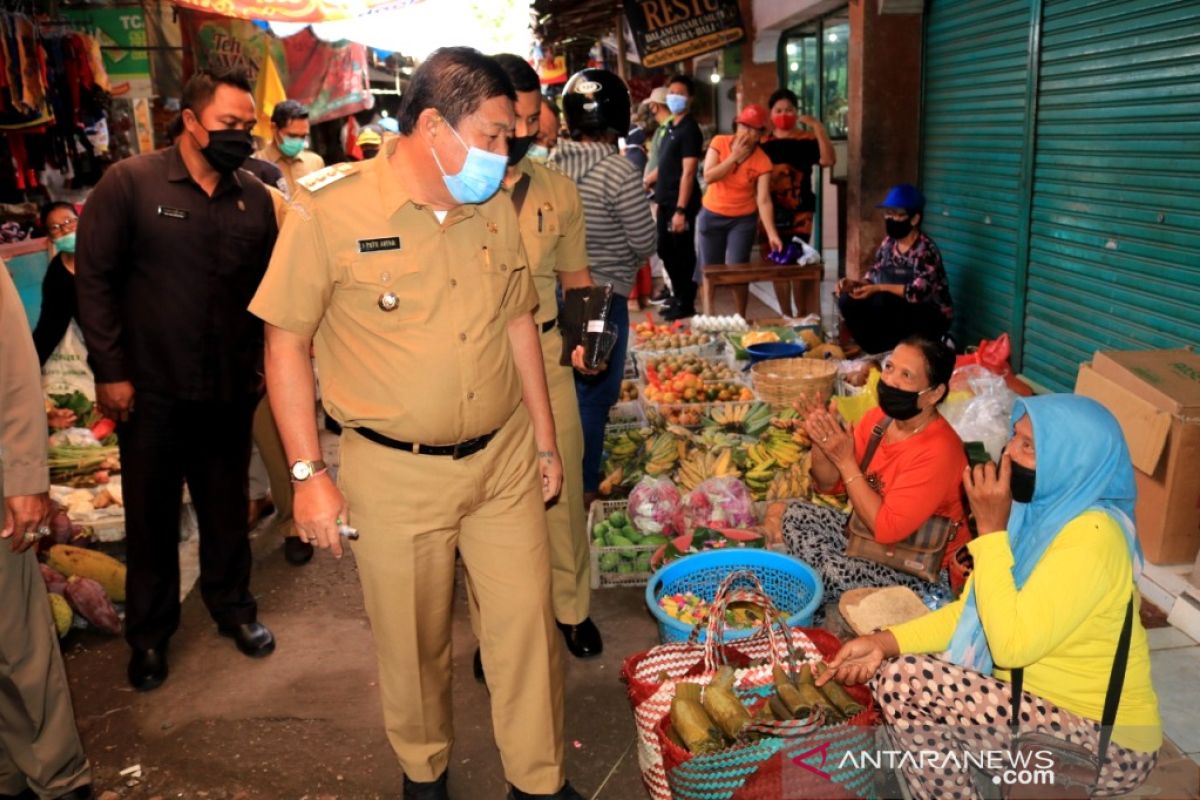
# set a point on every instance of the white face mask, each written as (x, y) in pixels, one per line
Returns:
(538, 153)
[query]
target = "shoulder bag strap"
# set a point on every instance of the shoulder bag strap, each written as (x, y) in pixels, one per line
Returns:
(1112, 697)
(873, 444)
(520, 189)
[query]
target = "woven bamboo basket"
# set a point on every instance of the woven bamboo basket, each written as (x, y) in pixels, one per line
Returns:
(781, 381)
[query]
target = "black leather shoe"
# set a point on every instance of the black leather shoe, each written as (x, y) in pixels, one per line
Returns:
(432, 790)
(148, 668)
(565, 793)
(678, 312)
(583, 640)
(477, 668)
(297, 551)
(253, 638)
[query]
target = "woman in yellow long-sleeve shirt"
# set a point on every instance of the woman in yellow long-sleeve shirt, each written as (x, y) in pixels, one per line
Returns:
(1055, 568)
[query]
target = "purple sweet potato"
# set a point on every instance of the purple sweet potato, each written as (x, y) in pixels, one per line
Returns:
(56, 582)
(89, 600)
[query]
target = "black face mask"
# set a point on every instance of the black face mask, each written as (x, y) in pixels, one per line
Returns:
(898, 228)
(1022, 482)
(518, 146)
(899, 403)
(227, 149)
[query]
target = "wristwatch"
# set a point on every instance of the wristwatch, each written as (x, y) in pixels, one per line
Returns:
(302, 470)
(681, 210)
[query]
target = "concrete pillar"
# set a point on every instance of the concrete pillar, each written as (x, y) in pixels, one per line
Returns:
(757, 81)
(885, 120)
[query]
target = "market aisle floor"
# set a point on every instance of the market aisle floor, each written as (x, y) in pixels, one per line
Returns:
(306, 721)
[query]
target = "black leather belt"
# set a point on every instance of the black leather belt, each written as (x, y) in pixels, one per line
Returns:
(455, 451)
(548, 325)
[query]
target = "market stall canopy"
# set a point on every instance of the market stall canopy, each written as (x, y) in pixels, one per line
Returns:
(563, 21)
(302, 11)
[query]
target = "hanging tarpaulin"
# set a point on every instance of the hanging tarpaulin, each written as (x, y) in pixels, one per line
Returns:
(291, 10)
(667, 30)
(331, 79)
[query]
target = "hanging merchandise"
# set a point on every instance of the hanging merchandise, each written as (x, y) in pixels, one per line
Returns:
(330, 79)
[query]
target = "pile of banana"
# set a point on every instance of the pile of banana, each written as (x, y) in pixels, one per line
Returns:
(775, 454)
(663, 452)
(701, 464)
(750, 419)
(791, 483)
(711, 718)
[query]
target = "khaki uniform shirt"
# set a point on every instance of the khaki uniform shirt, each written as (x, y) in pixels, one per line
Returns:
(552, 230)
(22, 405)
(293, 169)
(438, 367)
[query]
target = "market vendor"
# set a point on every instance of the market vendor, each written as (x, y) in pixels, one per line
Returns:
(408, 273)
(58, 286)
(288, 148)
(1052, 596)
(914, 474)
(905, 292)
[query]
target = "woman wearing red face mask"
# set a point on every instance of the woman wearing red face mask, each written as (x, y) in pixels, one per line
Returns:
(794, 151)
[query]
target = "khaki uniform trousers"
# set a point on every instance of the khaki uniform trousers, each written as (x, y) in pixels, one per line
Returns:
(412, 512)
(270, 450)
(39, 745)
(566, 518)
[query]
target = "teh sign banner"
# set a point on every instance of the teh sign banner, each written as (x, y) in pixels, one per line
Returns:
(673, 30)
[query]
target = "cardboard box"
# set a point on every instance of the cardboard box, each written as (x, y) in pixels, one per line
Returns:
(1155, 396)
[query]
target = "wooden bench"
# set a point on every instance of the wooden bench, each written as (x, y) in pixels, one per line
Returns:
(807, 294)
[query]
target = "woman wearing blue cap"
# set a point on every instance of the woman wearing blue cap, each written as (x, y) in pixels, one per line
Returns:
(905, 292)
(1052, 608)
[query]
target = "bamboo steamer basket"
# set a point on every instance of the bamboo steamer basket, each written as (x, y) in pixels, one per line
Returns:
(782, 381)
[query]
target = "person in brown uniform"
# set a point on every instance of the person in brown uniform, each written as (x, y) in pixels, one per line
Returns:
(288, 148)
(40, 752)
(550, 215)
(408, 274)
(172, 245)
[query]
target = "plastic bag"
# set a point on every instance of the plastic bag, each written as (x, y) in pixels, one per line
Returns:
(979, 407)
(717, 503)
(654, 506)
(855, 406)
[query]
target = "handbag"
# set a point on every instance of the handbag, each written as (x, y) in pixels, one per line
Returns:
(1076, 769)
(921, 554)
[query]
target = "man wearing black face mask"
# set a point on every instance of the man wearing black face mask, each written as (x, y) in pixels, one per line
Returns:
(905, 292)
(176, 243)
(550, 214)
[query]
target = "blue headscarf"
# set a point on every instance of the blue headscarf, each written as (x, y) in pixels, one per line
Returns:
(1082, 464)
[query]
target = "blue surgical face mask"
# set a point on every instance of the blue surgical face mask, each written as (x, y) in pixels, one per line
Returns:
(538, 153)
(480, 176)
(291, 146)
(676, 103)
(65, 243)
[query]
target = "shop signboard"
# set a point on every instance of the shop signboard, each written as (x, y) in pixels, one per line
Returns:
(123, 43)
(673, 30)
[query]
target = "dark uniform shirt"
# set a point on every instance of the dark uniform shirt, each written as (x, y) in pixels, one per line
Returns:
(682, 140)
(164, 274)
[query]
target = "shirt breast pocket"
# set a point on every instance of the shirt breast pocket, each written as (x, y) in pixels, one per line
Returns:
(389, 285)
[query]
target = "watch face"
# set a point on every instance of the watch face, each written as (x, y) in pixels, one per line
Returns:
(301, 470)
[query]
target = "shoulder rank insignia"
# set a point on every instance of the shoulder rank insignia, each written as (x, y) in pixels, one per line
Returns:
(318, 180)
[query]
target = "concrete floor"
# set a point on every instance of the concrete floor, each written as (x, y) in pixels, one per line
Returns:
(306, 721)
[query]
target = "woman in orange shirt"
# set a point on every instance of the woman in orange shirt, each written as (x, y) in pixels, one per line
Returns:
(916, 473)
(737, 173)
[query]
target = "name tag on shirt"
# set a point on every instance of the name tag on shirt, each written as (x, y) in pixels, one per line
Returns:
(173, 213)
(376, 245)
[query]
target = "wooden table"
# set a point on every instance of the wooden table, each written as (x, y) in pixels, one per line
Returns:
(808, 294)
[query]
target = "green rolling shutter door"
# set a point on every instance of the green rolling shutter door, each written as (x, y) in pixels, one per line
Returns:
(1114, 255)
(974, 119)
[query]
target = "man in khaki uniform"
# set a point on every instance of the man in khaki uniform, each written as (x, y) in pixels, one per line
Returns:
(40, 751)
(552, 229)
(407, 271)
(288, 148)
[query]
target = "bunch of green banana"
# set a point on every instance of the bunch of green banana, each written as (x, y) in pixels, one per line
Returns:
(623, 454)
(662, 451)
(782, 447)
(760, 469)
(747, 418)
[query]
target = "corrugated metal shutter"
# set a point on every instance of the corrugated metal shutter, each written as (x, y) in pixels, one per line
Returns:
(1114, 259)
(975, 110)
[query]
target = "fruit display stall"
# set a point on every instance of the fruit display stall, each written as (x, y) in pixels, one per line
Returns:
(707, 464)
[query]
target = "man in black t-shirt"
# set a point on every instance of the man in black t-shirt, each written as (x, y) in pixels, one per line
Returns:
(677, 194)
